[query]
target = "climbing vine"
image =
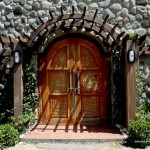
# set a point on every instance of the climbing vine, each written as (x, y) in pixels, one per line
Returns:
(30, 84)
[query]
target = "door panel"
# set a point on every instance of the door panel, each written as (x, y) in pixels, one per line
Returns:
(73, 79)
(59, 106)
(87, 58)
(90, 106)
(57, 80)
(90, 81)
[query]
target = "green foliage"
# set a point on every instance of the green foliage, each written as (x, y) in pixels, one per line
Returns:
(142, 103)
(9, 136)
(30, 83)
(9, 133)
(139, 132)
(140, 83)
(24, 121)
(6, 100)
(29, 100)
(131, 35)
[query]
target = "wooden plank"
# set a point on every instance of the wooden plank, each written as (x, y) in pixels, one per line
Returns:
(81, 24)
(40, 19)
(51, 15)
(18, 86)
(103, 24)
(73, 10)
(84, 11)
(95, 14)
(32, 27)
(141, 40)
(72, 16)
(130, 74)
(61, 10)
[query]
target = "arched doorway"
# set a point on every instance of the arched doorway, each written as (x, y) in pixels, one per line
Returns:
(74, 84)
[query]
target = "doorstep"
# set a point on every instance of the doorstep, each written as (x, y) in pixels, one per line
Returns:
(69, 133)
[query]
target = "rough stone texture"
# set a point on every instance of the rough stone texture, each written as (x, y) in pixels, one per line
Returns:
(124, 12)
(108, 12)
(140, 31)
(115, 7)
(22, 2)
(2, 6)
(144, 68)
(130, 14)
(133, 11)
(131, 3)
(18, 10)
(142, 2)
(36, 6)
(46, 5)
(135, 25)
(125, 3)
(105, 3)
(133, 17)
(139, 17)
(141, 9)
(93, 6)
(7, 1)
(81, 5)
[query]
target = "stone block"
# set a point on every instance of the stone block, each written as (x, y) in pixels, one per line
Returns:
(142, 2)
(115, 7)
(104, 4)
(46, 5)
(2, 6)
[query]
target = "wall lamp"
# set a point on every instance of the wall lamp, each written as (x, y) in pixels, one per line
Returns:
(131, 56)
(17, 57)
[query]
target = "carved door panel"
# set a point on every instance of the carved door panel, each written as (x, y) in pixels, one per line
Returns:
(72, 83)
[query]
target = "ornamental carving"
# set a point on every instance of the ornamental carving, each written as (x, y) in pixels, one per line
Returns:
(89, 81)
(59, 106)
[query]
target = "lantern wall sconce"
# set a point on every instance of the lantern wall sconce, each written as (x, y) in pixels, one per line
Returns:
(131, 56)
(17, 57)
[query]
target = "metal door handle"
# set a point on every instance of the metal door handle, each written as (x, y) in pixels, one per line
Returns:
(78, 82)
(70, 81)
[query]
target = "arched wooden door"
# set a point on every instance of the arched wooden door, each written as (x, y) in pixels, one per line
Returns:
(73, 86)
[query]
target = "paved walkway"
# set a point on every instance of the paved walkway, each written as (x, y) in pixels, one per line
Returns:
(71, 146)
(71, 138)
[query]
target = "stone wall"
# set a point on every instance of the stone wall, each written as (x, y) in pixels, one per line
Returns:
(132, 15)
(144, 68)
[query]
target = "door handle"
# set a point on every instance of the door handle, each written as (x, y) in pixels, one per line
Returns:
(78, 82)
(70, 81)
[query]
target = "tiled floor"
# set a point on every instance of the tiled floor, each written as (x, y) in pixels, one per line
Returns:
(73, 132)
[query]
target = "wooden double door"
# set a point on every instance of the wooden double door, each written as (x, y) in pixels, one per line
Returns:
(73, 84)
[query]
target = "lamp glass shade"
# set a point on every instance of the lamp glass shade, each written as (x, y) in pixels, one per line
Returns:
(131, 56)
(17, 57)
